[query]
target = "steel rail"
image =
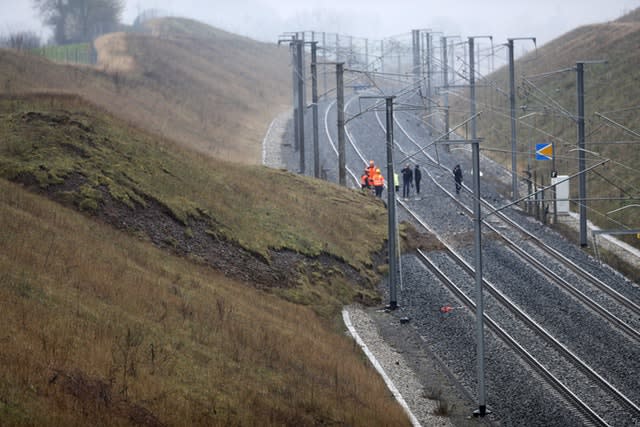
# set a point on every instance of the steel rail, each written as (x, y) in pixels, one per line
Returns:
(606, 314)
(521, 314)
(581, 406)
(516, 310)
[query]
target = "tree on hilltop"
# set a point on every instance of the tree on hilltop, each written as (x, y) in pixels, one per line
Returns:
(79, 20)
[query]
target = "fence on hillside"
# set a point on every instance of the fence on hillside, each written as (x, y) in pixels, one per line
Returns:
(79, 53)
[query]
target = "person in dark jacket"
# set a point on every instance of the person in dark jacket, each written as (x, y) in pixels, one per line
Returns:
(407, 180)
(417, 177)
(364, 180)
(457, 176)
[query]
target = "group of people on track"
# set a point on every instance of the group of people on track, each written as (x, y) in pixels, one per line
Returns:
(372, 179)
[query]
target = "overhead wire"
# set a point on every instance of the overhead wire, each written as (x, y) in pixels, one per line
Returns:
(545, 100)
(550, 106)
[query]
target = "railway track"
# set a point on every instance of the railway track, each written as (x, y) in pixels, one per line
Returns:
(562, 370)
(536, 252)
(536, 362)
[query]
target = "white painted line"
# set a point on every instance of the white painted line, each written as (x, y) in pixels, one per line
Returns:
(266, 138)
(376, 364)
(264, 142)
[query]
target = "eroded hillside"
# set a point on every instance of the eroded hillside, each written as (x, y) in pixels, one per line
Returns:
(143, 281)
(104, 327)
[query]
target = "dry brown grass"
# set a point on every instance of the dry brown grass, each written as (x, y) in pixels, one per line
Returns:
(609, 89)
(114, 54)
(201, 87)
(99, 328)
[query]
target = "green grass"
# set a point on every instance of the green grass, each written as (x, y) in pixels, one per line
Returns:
(79, 154)
(79, 53)
(259, 208)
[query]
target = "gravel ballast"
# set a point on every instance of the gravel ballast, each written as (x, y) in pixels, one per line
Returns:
(432, 354)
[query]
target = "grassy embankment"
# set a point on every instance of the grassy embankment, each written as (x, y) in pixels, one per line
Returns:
(610, 89)
(201, 87)
(101, 327)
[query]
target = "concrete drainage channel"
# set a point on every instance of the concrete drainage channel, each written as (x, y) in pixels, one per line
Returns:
(376, 364)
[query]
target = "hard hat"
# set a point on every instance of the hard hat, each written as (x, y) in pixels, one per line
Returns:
(377, 170)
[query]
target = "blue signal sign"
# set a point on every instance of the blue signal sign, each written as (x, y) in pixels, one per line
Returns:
(544, 151)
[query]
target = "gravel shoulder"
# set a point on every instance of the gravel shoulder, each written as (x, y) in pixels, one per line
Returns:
(424, 382)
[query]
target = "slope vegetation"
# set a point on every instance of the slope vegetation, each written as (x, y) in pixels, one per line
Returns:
(104, 327)
(201, 87)
(100, 328)
(546, 81)
(144, 281)
(248, 220)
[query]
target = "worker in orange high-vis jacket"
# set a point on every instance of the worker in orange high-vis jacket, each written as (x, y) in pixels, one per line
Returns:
(371, 170)
(378, 182)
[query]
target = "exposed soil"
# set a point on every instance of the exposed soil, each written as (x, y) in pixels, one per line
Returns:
(198, 240)
(413, 239)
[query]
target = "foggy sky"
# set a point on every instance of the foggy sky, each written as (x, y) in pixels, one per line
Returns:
(265, 19)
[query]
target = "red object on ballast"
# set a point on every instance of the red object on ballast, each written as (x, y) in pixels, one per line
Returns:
(446, 309)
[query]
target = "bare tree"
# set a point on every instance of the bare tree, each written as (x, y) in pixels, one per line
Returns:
(21, 40)
(54, 14)
(79, 20)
